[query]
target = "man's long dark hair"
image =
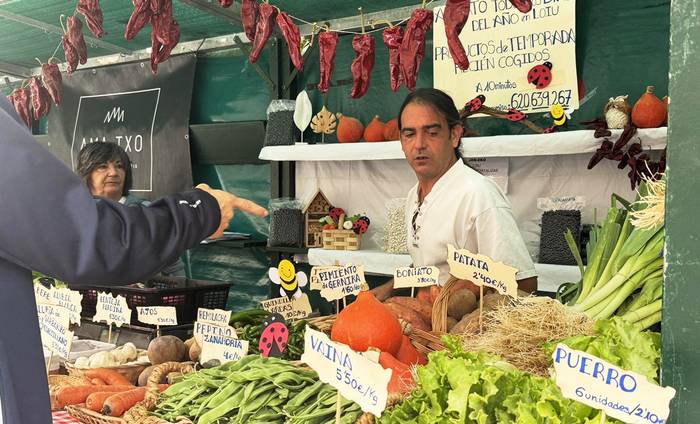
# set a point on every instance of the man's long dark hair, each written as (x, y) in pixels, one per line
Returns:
(95, 154)
(441, 102)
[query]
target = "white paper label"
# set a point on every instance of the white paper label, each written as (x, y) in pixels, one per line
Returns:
(356, 377)
(69, 299)
(315, 283)
(624, 395)
(213, 316)
(224, 349)
(202, 329)
(503, 45)
(289, 309)
(341, 282)
(112, 310)
(482, 271)
(494, 168)
(54, 323)
(424, 276)
(42, 294)
(157, 315)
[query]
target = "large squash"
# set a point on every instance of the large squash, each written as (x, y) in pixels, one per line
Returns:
(367, 323)
(649, 111)
(350, 130)
(375, 130)
(391, 130)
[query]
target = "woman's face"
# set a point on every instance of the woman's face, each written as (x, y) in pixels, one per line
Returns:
(107, 180)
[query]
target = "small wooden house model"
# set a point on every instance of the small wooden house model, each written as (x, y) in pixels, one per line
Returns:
(316, 209)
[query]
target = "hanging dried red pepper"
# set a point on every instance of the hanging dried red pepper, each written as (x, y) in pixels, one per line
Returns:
(76, 38)
(263, 30)
(413, 45)
(291, 35)
(70, 53)
(161, 52)
(327, 44)
(455, 16)
(92, 12)
(393, 36)
(249, 17)
(225, 3)
(162, 19)
(522, 5)
(139, 18)
(41, 102)
(20, 97)
(363, 45)
(51, 76)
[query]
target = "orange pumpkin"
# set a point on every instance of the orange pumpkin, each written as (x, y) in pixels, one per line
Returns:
(401, 376)
(349, 130)
(367, 323)
(649, 111)
(408, 354)
(665, 100)
(391, 130)
(375, 130)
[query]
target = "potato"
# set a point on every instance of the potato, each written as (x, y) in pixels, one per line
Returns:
(461, 303)
(468, 324)
(166, 349)
(451, 322)
(195, 351)
(494, 300)
(188, 342)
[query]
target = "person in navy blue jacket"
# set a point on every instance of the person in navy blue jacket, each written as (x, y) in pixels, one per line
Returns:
(50, 223)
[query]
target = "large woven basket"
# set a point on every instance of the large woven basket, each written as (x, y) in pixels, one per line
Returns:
(341, 240)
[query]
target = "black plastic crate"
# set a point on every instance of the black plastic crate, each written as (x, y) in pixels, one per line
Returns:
(185, 295)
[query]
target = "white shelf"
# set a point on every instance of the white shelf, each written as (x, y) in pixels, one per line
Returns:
(560, 143)
(378, 262)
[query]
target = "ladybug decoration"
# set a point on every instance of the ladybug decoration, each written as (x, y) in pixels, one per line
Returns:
(361, 225)
(274, 337)
(541, 75)
(515, 115)
(476, 103)
(335, 213)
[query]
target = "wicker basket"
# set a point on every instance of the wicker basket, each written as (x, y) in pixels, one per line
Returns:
(341, 240)
(86, 416)
(131, 371)
(56, 382)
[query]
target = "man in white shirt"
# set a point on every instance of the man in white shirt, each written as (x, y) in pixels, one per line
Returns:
(452, 203)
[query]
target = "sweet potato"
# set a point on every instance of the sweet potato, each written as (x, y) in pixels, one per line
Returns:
(423, 294)
(408, 315)
(424, 309)
(383, 292)
(434, 293)
(460, 303)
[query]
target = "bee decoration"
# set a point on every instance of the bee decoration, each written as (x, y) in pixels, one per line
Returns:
(560, 116)
(617, 112)
(289, 280)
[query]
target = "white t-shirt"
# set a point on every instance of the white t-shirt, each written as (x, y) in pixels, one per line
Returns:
(469, 211)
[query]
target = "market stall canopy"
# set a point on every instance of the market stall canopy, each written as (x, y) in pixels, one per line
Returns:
(31, 29)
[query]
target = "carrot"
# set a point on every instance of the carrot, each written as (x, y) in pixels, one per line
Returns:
(423, 309)
(96, 400)
(110, 377)
(408, 315)
(98, 382)
(73, 395)
(118, 403)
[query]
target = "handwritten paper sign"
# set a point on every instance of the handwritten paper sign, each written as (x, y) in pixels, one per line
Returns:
(416, 277)
(223, 349)
(482, 271)
(202, 329)
(54, 323)
(112, 310)
(314, 281)
(42, 294)
(289, 308)
(214, 316)
(503, 45)
(157, 315)
(356, 377)
(69, 299)
(624, 395)
(494, 168)
(341, 282)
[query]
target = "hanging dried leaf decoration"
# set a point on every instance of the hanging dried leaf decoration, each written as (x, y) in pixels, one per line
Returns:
(324, 122)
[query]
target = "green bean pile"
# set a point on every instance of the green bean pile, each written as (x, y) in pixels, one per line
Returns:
(254, 390)
(249, 326)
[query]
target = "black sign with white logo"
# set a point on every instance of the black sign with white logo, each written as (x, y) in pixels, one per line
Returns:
(147, 115)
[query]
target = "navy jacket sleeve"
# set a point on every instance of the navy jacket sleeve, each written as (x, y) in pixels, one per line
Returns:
(49, 222)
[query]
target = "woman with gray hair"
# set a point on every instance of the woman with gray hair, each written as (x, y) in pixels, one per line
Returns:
(106, 170)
